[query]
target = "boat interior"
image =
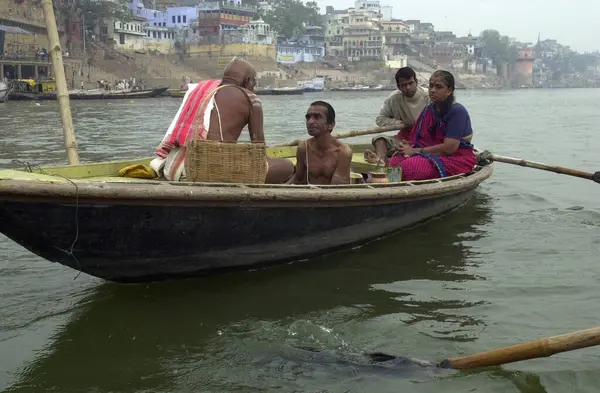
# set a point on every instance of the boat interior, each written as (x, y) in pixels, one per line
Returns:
(109, 172)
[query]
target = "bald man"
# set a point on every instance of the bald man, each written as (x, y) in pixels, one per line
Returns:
(225, 107)
(237, 106)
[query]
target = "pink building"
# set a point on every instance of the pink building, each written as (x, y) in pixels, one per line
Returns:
(524, 67)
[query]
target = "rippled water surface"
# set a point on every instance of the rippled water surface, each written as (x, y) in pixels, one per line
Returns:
(518, 262)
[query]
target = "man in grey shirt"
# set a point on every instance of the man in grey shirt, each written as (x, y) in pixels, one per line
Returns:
(402, 109)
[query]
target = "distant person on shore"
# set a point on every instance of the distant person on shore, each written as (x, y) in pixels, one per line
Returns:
(439, 144)
(401, 109)
(225, 106)
(322, 159)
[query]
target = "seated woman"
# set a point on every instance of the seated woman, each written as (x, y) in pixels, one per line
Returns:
(440, 137)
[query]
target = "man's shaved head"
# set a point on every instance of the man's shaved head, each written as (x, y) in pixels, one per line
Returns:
(241, 73)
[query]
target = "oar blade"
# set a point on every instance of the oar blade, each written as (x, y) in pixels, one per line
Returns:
(596, 177)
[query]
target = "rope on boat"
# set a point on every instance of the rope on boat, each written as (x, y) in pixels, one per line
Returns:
(29, 167)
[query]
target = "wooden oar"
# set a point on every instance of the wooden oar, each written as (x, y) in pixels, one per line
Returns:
(342, 135)
(486, 155)
(543, 347)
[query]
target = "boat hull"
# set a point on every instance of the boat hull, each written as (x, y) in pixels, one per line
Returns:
(134, 239)
(313, 90)
(279, 92)
(26, 96)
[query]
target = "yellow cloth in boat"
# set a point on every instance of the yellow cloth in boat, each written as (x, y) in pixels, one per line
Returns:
(138, 171)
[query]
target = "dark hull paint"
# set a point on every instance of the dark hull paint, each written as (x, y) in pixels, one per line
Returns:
(20, 96)
(126, 243)
(273, 92)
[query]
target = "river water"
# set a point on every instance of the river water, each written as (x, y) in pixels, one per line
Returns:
(518, 262)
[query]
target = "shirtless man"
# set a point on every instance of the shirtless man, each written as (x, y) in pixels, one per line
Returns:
(322, 159)
(235, 113)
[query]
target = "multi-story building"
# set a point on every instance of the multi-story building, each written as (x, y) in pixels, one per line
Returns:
(214, 17)
(443, 37)
(129, 35)
(448, 54)
(336, 22)
(524, 67)
(468, 43)
(363, 38)
(397, 39)
(289, 53)
(308, 47)
(256, 32)
(355, 34)
(156, 34)
(375, 5)
(175, 17)
(313, 36)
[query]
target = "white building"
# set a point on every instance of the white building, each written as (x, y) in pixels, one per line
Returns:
(259, 32)
(396, 61)
(468, 43)
(296, 53)
(129, 35)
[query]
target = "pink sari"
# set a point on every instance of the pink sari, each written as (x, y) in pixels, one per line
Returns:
(431, 130)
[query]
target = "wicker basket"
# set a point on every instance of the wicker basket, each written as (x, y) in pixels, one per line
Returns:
(225, 162)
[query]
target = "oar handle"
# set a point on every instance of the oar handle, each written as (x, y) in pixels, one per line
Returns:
(538, 165)
(543, 347)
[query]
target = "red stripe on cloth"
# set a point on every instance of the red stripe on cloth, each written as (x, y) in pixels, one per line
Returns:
(184, 122)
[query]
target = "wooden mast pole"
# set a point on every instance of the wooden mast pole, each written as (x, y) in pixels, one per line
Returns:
(61, 83)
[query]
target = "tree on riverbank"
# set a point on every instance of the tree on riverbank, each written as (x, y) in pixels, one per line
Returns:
(498, 47)
(289, 17)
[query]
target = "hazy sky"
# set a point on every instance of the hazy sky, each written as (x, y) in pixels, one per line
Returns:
(564, 20)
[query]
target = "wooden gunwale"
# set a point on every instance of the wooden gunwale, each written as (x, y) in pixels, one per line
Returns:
(153, 193)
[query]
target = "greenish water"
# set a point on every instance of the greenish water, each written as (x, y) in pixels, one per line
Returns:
(518, 262)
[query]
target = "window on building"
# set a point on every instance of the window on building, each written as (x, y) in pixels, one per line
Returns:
(184, 19)
(173, 18)
(178, 18)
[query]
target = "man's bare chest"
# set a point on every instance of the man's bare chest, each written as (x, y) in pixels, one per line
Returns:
(321, 164)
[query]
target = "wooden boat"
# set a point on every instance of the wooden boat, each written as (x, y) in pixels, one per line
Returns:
(101, 94)
(360, 88)
(132, 230)
(45, 90)
(176, 93)
(279, 91)
(32, 90)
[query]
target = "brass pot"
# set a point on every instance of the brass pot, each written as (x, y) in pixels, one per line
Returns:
(356, 178)
(377, 177)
